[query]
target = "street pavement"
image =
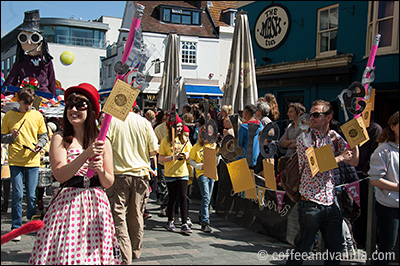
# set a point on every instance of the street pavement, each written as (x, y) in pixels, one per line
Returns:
(228, 244)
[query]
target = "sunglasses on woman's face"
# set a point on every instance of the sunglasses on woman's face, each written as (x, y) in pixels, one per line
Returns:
(34, 37)
(317, 114)
(80, 106)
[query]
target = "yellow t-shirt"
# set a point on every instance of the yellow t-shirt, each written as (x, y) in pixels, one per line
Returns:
(28, 135)
(197, 154)
(174, 168)
(132, 141)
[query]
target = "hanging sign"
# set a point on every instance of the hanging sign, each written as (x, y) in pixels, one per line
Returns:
(272, 27)
(355, 132)
(121, 99)
(321, 159)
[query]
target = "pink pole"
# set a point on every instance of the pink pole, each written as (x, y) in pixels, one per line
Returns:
(370, 63)
(128, 47)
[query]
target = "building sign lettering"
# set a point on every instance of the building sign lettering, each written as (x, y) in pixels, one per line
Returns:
(272, 27)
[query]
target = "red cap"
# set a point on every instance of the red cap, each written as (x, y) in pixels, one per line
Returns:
(178, 120)
(89, 91)
(2, 96)
(134, 104)
(186, 128)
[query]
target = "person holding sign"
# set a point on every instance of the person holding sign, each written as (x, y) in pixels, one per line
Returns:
(205, 183)
(317, 210)
(78, 226)
(384, 173)
(174, 153)
(25, 131)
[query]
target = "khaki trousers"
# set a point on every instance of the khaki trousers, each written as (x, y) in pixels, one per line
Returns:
(129, 193)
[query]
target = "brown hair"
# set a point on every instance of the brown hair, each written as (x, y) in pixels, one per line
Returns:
(90, 128)
(181, 136)
(327, 106)
(26, 94)
(298, 107)
(387, 133)
(273, 104)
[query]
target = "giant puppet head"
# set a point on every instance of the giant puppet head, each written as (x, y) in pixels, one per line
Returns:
(32, 56)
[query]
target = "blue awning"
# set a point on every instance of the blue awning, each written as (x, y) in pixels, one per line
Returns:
(105, 92)
(198, 91)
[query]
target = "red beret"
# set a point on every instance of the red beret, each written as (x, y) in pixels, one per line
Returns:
(178, 120)
(186, 129)
(89, 91)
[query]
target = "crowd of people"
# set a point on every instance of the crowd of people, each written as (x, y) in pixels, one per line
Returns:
(163, 152)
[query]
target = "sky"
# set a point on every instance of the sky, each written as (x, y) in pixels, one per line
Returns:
(12, 12)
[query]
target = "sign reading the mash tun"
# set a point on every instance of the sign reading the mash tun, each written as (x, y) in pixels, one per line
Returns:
(272, 27)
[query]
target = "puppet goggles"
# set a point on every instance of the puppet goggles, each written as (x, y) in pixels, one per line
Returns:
(34, 37)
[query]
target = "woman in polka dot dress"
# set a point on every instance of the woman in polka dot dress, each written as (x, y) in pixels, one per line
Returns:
(78, 226)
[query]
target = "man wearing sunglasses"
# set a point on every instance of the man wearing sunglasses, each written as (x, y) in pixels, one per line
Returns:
(32, 56)
(317, 210)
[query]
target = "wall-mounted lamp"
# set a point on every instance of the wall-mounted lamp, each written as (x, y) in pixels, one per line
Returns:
(211, 75)
(266, 59)
(350, 10)
(299, 21)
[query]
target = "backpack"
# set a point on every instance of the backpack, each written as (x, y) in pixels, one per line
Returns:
(290, 178)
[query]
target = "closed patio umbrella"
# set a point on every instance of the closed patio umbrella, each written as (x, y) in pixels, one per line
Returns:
(172, 88)
(241, 88)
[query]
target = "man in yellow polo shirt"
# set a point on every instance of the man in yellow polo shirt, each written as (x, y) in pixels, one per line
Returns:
(134, 143)
(25, 131)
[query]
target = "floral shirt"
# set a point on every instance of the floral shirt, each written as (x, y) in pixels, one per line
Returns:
(318, 188)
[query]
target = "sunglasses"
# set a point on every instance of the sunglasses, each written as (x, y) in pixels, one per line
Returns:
(34, 37)
(80, 106)
(317, 114)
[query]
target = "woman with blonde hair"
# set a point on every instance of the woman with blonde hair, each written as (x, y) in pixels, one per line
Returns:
(273, 104)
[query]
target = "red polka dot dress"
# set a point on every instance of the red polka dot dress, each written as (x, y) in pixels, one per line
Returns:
(78, 228)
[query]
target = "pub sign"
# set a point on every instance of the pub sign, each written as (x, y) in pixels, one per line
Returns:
(272, 27)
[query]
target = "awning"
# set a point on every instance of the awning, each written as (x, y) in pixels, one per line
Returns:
(198, 91)
(105, 92)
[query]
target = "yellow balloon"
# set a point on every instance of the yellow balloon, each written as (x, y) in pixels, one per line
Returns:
(67, 57)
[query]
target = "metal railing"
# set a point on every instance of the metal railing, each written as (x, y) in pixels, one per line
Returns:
(80, 41)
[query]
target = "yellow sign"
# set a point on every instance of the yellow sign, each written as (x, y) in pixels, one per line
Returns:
(355, 132)
(366, 114)
(210, 163)
(67, 57)
(260, 194)
(269, 174)
(371, 99)
(121, 99)
(251, 193)
(321, 159)
(240, 175)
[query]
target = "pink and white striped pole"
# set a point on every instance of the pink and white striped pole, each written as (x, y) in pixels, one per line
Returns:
(370, 65)
(128, 47)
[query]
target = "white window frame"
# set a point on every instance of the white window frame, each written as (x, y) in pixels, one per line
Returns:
(372, 29)
(189, 62)
(319, 32)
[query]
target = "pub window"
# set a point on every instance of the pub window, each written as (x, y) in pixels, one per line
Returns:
(189, 52)
(383, 18)
(328, 21)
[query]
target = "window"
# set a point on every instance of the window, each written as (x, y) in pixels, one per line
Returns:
(177, 15)
(383, 18)
(109, 70)
(8, 63)
(230, 16)
(189, 52)
(328, 20)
